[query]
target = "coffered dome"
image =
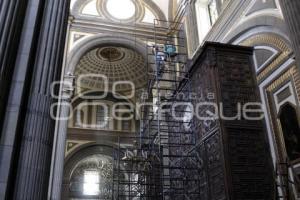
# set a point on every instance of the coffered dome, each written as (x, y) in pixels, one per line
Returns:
(114, 62)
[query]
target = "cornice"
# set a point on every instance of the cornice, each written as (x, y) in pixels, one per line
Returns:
(115, 28)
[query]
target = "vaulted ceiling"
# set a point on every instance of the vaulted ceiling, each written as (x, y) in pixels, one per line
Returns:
(114, 62)
(124, 9)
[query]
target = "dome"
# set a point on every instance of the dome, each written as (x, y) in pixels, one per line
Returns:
(116, 63)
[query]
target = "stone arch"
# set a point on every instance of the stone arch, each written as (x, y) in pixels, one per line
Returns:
(254, 31)
(77, 7)
(79, 154)
(92, 42)
(281, 108)
(86, 150)
(269, 37)
(272, 24)
(289, 120)
(154, 7)
(137, 17)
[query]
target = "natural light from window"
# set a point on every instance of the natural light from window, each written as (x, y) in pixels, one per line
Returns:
(206, 12)
(123, 9)
(90, 8)
(149, 16)
(91, 183)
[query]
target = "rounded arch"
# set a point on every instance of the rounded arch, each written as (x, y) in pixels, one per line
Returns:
(289, 122)
(272, 24)
(265, 36)
(79, 4)
(76, 9)
(95, 41)
(136, 17)
(260, 30)
(284, 106)
(156, 9)
(78, 155)
(88, 149)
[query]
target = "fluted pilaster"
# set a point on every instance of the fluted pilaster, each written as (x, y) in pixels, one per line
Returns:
(19, 22)
(291, 13)
(36, 145)
(11, 19)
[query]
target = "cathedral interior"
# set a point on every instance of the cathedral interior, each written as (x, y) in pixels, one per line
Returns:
(149, 99)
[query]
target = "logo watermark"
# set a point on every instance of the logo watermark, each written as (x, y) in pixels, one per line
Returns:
(183, 108)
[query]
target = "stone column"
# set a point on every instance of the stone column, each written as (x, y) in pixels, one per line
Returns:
(13, 114)
(33, 169)
(291, 12)
(12, 14)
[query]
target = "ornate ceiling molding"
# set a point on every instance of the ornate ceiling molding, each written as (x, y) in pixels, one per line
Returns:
(136, 17)
(104, 13)
(272, 40)
(96, 41)
(116, 63)
(155, 8)
(81, 153)
(78, 6)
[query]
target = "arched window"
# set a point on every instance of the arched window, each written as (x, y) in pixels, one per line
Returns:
(126, 124)
(291, 131)
(79, 118)
(207, 14)
(102, 117)
(92, 178)
(213, 11)
(124, 9)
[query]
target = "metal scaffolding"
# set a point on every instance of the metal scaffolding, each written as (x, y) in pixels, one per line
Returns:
(162, 163)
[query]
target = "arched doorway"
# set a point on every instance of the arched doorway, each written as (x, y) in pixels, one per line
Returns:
(291, 131)
(92, 178)
(88, 173)
(119, 58)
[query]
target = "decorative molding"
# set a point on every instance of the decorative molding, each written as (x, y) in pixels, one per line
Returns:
(281, 79)
(95, 41)
(273, 41)
(137, 16)
(276, 86)
(106, 17)
(75, 37)
(72, 145)
(261, 5)
(274, 51)
(115, 62)
(285, 95)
